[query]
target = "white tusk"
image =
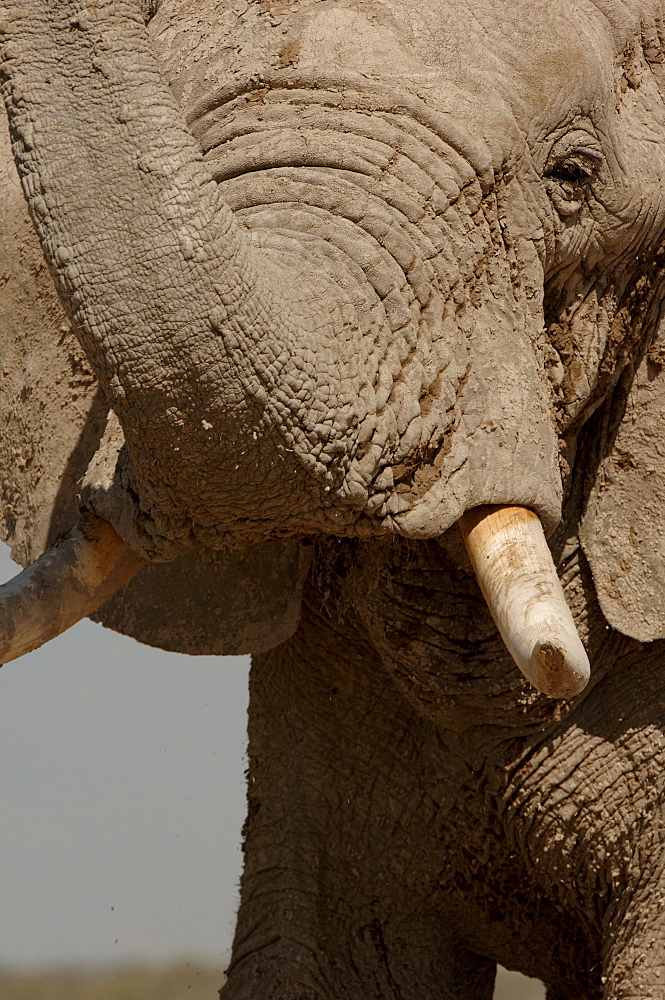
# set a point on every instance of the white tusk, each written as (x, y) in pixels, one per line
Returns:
(69, 581)
(518, 579)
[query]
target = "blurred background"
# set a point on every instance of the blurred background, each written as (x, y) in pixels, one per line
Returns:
(122, 800)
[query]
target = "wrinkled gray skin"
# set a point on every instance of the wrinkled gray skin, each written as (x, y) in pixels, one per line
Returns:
(417, 269)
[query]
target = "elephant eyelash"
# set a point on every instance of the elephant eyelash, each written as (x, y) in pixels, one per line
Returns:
(574, 159)
(570, 171)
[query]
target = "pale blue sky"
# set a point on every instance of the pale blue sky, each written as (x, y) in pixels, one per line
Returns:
(121, 800)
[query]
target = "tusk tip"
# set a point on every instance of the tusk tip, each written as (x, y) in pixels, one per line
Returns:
(557, 670)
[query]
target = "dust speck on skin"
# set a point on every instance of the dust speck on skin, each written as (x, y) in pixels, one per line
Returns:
(274, 7)
(288, 55)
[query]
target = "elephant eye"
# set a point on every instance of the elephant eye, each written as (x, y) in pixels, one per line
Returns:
(571, 172)
(573, 162)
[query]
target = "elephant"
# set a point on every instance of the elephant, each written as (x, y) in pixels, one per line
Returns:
(333, 332)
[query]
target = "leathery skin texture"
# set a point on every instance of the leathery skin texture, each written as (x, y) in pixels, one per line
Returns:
(429, 814)
(330, 274)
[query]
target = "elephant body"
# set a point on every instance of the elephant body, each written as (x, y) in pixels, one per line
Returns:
(442, 817)
(359, 268)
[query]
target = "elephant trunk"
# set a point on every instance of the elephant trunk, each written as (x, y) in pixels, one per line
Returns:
(516, 574)
(200, 342)
(67, 583)
(356, 353)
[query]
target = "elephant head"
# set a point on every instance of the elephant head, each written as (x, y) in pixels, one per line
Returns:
(335, 269)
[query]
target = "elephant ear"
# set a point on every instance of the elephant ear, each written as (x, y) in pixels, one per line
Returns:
(622, 530)
(52, 418)
(52, 414)
(213, 602)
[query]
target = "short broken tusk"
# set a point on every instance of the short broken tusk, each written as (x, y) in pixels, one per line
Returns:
(518, 579)
(69, 581)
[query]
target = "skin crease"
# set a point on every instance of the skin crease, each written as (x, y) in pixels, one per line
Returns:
(440, 287)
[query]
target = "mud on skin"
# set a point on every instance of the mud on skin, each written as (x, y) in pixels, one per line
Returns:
(287, 288)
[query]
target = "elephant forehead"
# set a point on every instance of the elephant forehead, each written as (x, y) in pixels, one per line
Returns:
(550, 60)
(447, 52)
